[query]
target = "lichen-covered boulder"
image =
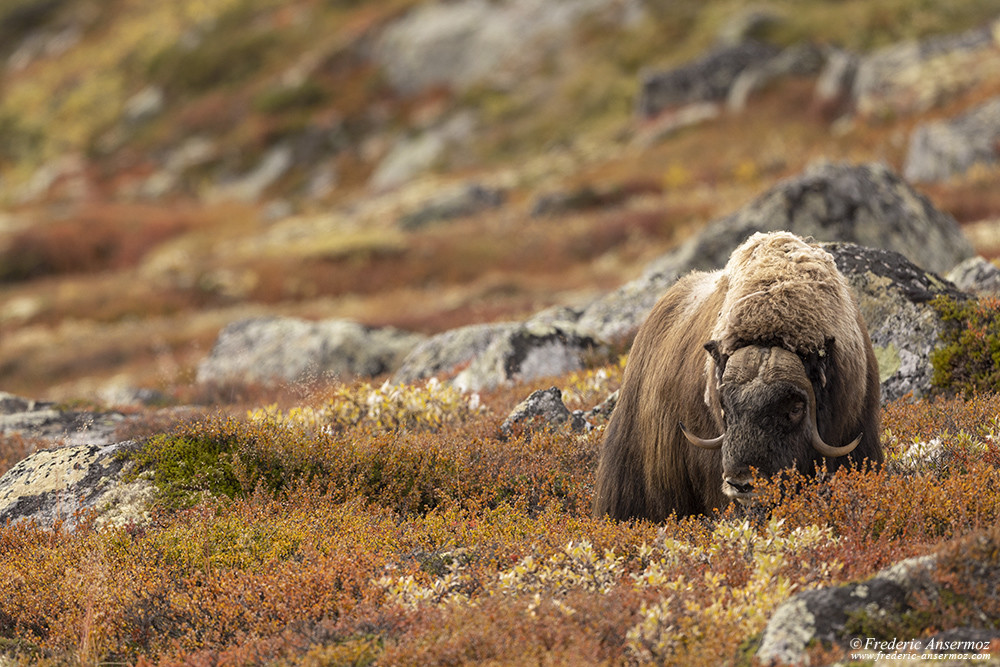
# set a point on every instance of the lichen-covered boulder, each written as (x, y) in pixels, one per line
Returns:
(822, 615)
(914, 76)
(547, 406)
(962, 573)
(55, 485)
(270, 349)
(894, 296)
(43, 420)
(707, 79)
(527, 352)
(446, 353)
(616, 317)
(867, 204)
(976, 276)
(942, 149)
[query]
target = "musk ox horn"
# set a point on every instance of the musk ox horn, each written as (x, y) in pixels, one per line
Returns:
(832, 452)
(816, 440)
(714, 443)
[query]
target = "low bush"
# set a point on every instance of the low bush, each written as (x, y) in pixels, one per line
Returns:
(969, 359)
(397, 528)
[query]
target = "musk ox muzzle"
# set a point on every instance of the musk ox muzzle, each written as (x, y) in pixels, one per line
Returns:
(769, 410)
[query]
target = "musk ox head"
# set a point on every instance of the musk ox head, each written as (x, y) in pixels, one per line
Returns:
(769, 411)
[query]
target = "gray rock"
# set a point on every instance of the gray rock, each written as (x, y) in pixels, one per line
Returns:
(835, 82)
(528, 352)
(446, 352)
(616, 317)
(943, 149)
(547, 405)
(747, 24)
(675, 119)
(707, 79)
(798, 60)
(893, 295)
(144, 105)
(11, 404)
(250, 186)
(42, 420)
(56, 484)
(286, 349)
(976, 276)
(461, 43)
(459, 202)
(414, 155)
(822, 615)
(914, 76)
(864, 204)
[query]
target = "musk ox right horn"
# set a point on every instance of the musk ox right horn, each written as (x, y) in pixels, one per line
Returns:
(714, 443)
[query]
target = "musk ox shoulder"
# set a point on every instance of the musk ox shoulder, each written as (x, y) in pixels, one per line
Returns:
(764, 365)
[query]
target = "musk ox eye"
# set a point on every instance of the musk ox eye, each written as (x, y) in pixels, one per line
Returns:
(796, 411)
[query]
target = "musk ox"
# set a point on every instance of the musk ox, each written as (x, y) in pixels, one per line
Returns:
(765, 364)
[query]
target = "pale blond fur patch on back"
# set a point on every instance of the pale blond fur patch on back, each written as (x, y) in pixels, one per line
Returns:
(784, 289)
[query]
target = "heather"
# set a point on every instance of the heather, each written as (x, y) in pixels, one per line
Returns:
(304, 537)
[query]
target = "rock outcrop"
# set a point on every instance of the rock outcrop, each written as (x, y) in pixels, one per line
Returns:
(528, 352)
(449, 352)
(273, 349)
(822, 615)
(961, 569)
(865, 204)
(546, 406)
(459, 202)
(976, 276)
(56, 485)
(943, 149)
(458, 44)
(708, 79)
(915, 76)
(45, 421)
(888, 239)
(894, 297)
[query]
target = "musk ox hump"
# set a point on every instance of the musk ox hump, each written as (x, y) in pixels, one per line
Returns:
(784, 289)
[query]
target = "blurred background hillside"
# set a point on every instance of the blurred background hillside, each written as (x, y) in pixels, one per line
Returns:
(167, 168)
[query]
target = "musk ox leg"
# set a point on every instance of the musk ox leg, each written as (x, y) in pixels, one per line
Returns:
(619, 491)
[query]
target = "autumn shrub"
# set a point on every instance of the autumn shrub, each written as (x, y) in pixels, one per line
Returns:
(410, 448)
(969, 359)
(96, 239)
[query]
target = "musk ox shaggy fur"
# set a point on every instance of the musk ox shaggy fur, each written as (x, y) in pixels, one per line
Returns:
(765, 365)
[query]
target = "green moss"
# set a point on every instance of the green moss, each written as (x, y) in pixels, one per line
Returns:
(968, 362)
(184, 468)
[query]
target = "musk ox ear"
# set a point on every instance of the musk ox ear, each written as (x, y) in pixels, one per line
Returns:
(819, 366)
(712, 347)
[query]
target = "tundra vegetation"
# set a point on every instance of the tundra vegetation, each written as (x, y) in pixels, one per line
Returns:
(373, 525)
(356, 523)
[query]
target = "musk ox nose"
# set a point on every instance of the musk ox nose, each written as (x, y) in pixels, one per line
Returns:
(740, 486)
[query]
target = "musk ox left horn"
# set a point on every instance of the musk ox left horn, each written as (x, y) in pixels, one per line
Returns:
(826, 450)
(816, 440)
(713, 443)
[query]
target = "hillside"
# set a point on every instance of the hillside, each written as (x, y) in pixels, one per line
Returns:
(168, 170)
(313, 313)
